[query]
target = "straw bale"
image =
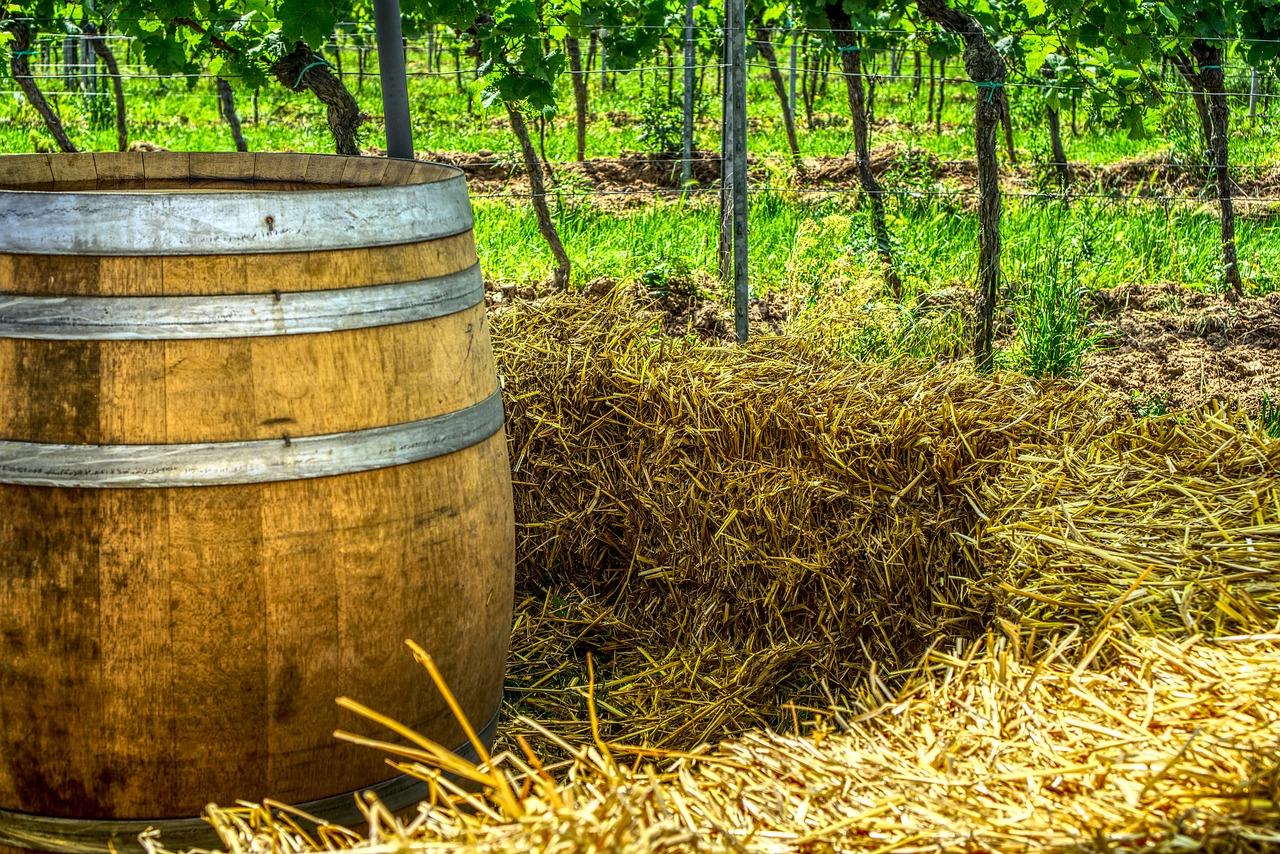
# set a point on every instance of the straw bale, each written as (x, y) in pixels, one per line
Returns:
(734, 531)
(730, 529)
(1178, 516)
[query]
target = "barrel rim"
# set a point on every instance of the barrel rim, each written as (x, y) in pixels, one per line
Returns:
(211, 167)
(239, 222)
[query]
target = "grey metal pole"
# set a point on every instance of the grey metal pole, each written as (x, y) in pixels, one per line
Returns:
(724, 244)
(395, 86)
(736, 34)
(690, 57)
(1253, 97)
(795, 40)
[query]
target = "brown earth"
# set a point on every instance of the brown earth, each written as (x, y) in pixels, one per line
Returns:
(639, 178)
(1187, 348)
(1164, 346)
(682, 310)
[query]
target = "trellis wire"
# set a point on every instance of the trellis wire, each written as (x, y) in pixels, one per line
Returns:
(674, 194)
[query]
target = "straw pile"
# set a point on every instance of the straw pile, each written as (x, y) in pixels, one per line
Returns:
(1174, 748)
(731, 530)
(976, 603)
(1175, 520)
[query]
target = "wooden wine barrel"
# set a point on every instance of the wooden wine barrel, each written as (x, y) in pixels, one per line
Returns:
(251, 441)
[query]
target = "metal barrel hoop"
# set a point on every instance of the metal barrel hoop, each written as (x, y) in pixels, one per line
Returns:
(169, 318)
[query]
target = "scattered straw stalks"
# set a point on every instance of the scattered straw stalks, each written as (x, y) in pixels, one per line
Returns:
(1012, 619)
(1172, 748)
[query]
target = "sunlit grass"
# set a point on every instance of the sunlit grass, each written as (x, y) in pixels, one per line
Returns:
(1114, 242)
(449, 117)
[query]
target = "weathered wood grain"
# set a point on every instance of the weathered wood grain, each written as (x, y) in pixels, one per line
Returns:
(168, 647)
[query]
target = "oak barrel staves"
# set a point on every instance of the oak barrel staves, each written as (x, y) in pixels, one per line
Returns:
(251, 441)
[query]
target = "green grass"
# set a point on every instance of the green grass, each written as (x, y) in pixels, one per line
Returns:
(1269, 415)
(168, 113)
(1052, 316)
(796, 241)
(816, 245)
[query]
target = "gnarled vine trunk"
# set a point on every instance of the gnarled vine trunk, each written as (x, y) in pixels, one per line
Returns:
(933, 85)
(227, 98)
(574, 49)
(1209, 61)
(987, 70)
(764, 45)
(1055, 137)
(1182, 62)
(538, 188)
(808, 83)
(102, 49)
(851, 63)
(303, 70)
(942, 95)
(1006, 121)
(20, 65)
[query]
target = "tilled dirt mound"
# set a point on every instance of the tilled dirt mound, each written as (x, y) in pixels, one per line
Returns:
(1171, 346)
(683, 311)
(496, 173)
(635, 178)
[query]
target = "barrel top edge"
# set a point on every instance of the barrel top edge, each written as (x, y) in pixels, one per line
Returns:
(145, 223)
(199, 173)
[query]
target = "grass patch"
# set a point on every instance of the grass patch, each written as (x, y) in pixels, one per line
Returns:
(1269, 415)
(448, 116)
(808, 246)
(1053, 330)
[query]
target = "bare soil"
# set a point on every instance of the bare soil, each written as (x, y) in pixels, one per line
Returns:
(637, 178)
(681, 310)
(1165, 346)
(1188, 348)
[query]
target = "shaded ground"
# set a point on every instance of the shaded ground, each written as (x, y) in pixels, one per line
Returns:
(1164, 346)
